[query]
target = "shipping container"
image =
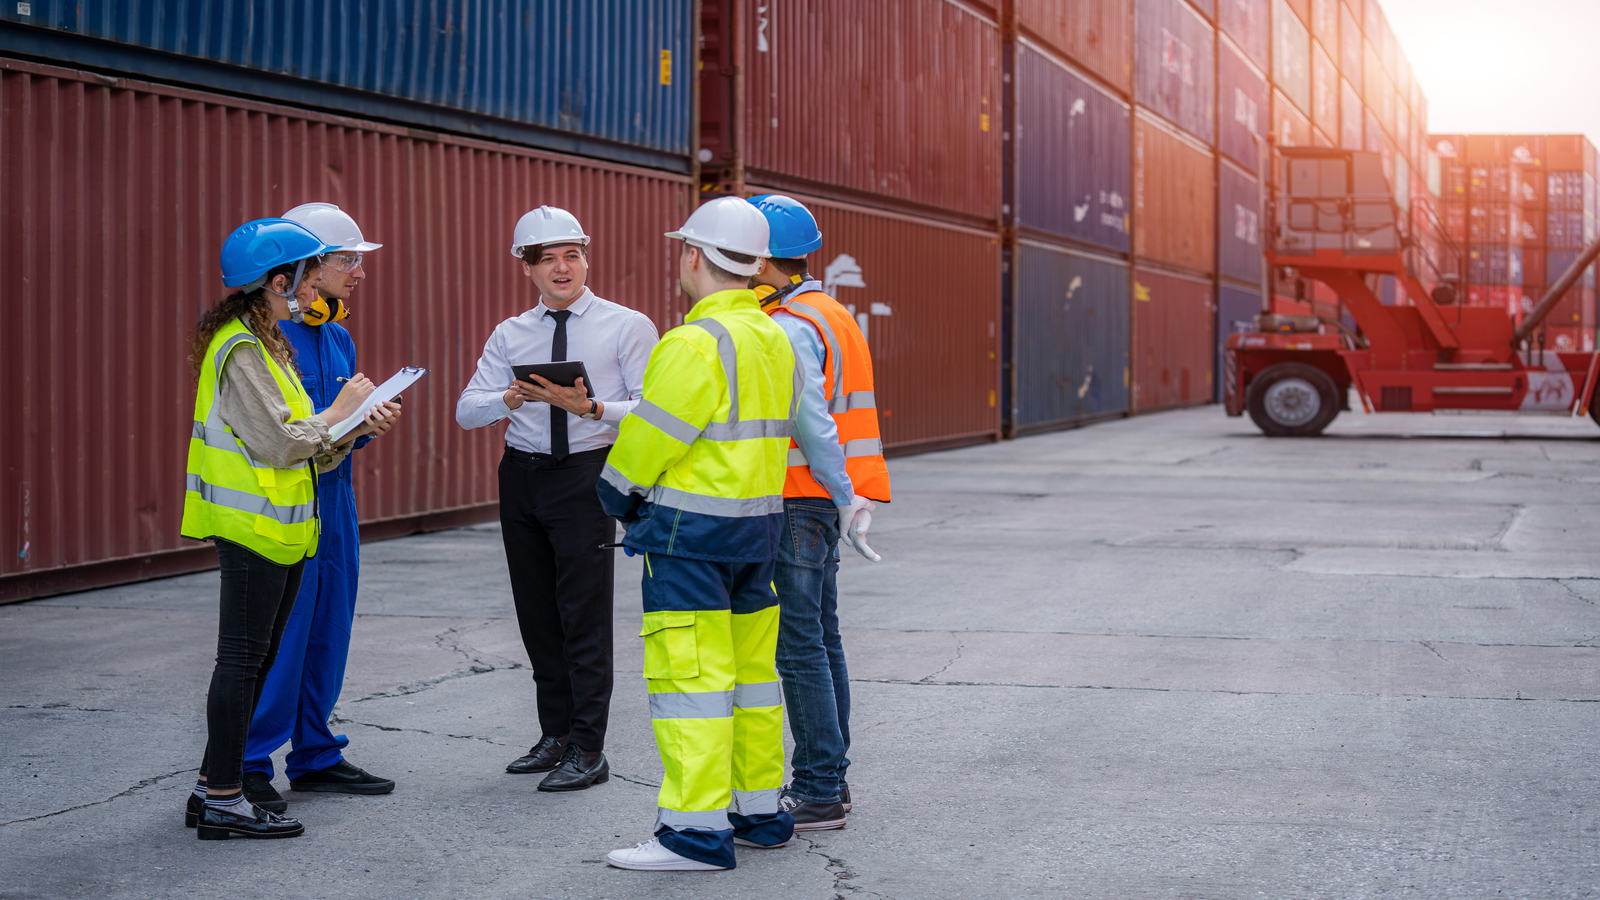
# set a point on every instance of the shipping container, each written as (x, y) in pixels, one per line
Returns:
(1448, 146)
(1237, 308)
(919, 125)
(1569, 151)
(137, 185)
(1325, 25)
(927, 295)
(1320, 138)
(1487, 148)
(1288, 123)
(1528, 186)
(618, 83)
(1291, 56)
(1350, 116)
(1324, 91)
(1377, 90)
(1526, 150)
(1349, 44)
(1535, 269)
(1173, 66)
(1071, 337)
(1558, 261)
(1097, 36)
(1561, 338)
(1564, 230)
(1174, 197)
(1238, 224)
(1565, 190)
(1244, 108)
(1302, 9)
(1174, 327)
(1247, 23)
(1072, 145)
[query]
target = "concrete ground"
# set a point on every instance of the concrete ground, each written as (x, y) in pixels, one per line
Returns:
(1160, 657)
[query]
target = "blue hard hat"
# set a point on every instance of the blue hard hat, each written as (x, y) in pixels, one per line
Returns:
(256, 248)
(794, 229)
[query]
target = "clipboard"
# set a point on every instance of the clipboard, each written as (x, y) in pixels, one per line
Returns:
(565, 374)
(399, 381)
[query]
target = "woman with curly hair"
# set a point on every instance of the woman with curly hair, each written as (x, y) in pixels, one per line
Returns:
(253, 456)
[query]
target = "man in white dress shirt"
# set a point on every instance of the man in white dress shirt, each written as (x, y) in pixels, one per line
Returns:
(550, 516)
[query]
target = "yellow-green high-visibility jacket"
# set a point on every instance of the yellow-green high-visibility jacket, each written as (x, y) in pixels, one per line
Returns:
(697, 470)
(230, 494)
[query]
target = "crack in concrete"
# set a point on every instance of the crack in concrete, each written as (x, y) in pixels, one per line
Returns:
(1497, 541)
(651, 784)
(1236, 693)
(475, 666)
(1579, 597)
(337, 719)
(952, 661)
(148, 782)
(840, 870)
(59, 706)
(1429, 646)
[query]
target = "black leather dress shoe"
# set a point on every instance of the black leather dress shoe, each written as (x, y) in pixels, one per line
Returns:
(577, 771)
(542, 757)
(258, 789)
(220, 824)
(192, 811)
(342, 778)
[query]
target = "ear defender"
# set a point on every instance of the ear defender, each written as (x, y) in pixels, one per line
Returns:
(325, 309)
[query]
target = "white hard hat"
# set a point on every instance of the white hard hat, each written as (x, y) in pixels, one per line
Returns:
(332, 224)
(727, 223)
(546, 225)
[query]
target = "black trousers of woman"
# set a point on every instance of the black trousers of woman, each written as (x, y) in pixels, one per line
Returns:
(257, 597)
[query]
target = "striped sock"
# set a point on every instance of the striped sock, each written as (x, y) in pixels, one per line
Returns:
(232, 804)
(200, 790)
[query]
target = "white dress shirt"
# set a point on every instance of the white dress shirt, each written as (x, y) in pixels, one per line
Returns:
(612, 341)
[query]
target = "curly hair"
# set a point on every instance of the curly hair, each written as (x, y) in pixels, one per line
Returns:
(256, 310)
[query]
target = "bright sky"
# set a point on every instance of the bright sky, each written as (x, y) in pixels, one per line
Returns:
(1504, 66)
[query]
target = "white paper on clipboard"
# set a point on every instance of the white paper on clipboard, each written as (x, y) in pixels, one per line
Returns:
(399, 381)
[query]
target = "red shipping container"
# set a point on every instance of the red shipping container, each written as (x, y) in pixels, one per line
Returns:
(1567, 339)
(1291, 55)
(1350, 54)
(1324, 91)
(1448, 146)
(1488, 223)
(1454, 216)
(1528, 187)
(1290, 125)
(1320, 139)
(1174, 197)
(1526, 150)
(1097, 36)
(1488, 296)
(1302, 9)
(1487, 148)
(1174, 317)
(1174, 66)
(1569, 151)
(830, 110)
(933, 329)
(1325, 24)
(1402, 128)
(1527, 230)
(118, 195)
(1533, 264)
(1350, 118)
(1246, 22)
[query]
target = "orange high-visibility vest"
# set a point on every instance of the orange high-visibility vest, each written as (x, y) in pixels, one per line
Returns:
(847, 377)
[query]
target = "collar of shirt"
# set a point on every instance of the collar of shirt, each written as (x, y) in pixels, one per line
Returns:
(721, 301)
(578, 308)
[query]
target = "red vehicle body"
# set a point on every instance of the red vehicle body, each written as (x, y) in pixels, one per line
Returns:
(1334, 219)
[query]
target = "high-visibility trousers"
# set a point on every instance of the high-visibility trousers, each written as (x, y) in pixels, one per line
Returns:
(710, 635)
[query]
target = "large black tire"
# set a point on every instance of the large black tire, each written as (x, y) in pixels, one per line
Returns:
(1292, 400)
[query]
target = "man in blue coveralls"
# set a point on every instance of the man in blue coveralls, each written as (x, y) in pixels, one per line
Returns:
(308, 674)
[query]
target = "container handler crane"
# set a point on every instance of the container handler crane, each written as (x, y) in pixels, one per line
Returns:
(1333, 218)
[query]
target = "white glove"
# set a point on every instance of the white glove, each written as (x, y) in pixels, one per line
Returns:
(854, 520)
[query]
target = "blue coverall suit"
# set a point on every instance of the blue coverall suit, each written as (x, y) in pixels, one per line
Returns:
(305, 680)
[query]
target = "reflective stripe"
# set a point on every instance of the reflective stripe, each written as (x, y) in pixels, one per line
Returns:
(677, 820)
(728, 507)
(857, 400)
(864, 447)
(699, 705)
(729, 354)
(758, 695)
(756, 803)
(749, 430)
(619, 481)
(822, 324)
(675, 428)
(228, 345)
(250, 503)
(796, 389)
(219, 438)
(797, 457)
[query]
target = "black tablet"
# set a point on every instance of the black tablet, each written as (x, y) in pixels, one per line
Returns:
(565, 374)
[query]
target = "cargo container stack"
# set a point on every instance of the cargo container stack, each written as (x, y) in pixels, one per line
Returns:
(1523, 207)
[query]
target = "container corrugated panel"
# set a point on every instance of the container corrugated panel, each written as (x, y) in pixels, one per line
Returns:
(1208, 8)
(1097, 36)
(1291, 55)
(1174, 325)
(1568, 151)
(1248, 23)
(1174, 198)
(1289, 123)
(933, 328)
(1244, 110)
(1071, 353)
(836, 104)
(1349, 116)
(1237, 308)
(117, 201)
(1526, 150)
(619, 70)
(1072, 154)
(1324, 91)
(1238, 224)
(1173, 65)
(1558, 261)
(1528, 186)
(1301, 8)
(1325, 24)
(1350, 54)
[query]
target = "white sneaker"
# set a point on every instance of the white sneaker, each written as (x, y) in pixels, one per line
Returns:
(652, 857)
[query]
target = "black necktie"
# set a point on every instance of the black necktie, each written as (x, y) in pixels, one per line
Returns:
(558, 353)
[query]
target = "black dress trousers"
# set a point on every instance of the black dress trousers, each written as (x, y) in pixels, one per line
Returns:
(553, 526)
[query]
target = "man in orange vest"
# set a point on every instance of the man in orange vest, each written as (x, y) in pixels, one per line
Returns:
(836, 472)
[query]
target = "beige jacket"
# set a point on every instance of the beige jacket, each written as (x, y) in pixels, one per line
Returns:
(253, 406)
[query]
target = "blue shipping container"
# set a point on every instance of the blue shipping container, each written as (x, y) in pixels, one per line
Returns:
(1238, 224)
(1564, 229)
(1243, 110)
(1237, 308)
(1071, 348)
(1072, 154)
(1174, 73)
(1495, 265)
(613, 70)
(1557, 262)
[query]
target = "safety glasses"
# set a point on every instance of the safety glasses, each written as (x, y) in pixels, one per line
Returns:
(344, 262)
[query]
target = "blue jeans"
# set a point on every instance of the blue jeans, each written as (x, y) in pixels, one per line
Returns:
(816, 685)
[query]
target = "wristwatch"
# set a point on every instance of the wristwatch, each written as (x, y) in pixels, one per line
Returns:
(593, 413)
